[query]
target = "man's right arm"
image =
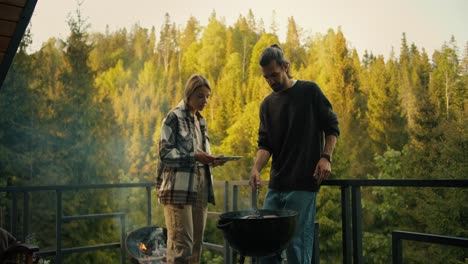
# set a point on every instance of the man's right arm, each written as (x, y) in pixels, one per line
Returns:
(261, 160)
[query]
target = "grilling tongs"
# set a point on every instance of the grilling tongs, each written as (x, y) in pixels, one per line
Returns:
(254, 200)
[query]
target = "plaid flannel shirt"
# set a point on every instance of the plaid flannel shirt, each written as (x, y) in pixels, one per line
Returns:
(176, 177)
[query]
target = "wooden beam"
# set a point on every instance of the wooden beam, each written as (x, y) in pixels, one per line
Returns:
(19, 3)
(7, 28)
(4, 42)
(10, 13)
(23, 22)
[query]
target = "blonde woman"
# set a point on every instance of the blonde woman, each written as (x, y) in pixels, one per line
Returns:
(184, 181)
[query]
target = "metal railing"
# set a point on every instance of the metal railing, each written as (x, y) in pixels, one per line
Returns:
(60, 219)
(399, 236)
(351, 212)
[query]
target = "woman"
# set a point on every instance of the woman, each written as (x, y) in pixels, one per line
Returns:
(184, 180)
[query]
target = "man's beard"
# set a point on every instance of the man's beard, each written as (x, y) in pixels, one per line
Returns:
(278, 87)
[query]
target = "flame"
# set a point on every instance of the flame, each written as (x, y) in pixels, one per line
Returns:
(142, 247)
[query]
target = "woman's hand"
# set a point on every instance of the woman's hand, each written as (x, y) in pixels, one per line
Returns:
(218, 162)
(204, 157)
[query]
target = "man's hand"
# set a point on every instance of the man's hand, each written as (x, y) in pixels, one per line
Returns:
(260, 161)
(254, 180)
(322, 170)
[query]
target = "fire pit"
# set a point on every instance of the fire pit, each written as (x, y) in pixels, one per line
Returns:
(147, 245)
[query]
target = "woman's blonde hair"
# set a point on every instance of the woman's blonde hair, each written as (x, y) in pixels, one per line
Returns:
(193, 83)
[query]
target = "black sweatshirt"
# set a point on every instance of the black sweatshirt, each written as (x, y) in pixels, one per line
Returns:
(293, 123)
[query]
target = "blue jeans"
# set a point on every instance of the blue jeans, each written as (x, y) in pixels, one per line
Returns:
(299, 250)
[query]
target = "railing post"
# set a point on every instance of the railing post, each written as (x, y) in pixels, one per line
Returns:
(123, 246)
(397, 249)
(357, 224)
(58, 223)
(346, 224)
(227, 248)
(316, 247)
(26, 225)
(226, 196)
(148, 204)
(14, 214)
(235, 194)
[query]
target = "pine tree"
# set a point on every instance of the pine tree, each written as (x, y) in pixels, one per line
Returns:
(444, 78)
(211, 57)
(188, 40)
(18, 121)
(341, 87)
(293, 48)
(226, 99)
(108, 49)
(383, 111)
(244, 37)
(76, 109)
(274, 23)
(167, 42)
(405, 89)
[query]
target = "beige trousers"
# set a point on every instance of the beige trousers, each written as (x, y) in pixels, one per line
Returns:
(185, 226)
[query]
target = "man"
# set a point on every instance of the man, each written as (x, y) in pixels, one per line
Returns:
(6, 240)
(295, 121)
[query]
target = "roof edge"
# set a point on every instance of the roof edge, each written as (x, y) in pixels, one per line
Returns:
(15, 41)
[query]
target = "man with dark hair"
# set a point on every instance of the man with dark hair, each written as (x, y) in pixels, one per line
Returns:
(299, 130)
(6, 240)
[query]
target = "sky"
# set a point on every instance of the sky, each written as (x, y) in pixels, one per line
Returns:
(372, 25)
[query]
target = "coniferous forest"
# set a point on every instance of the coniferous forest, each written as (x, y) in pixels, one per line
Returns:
(87, 109)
